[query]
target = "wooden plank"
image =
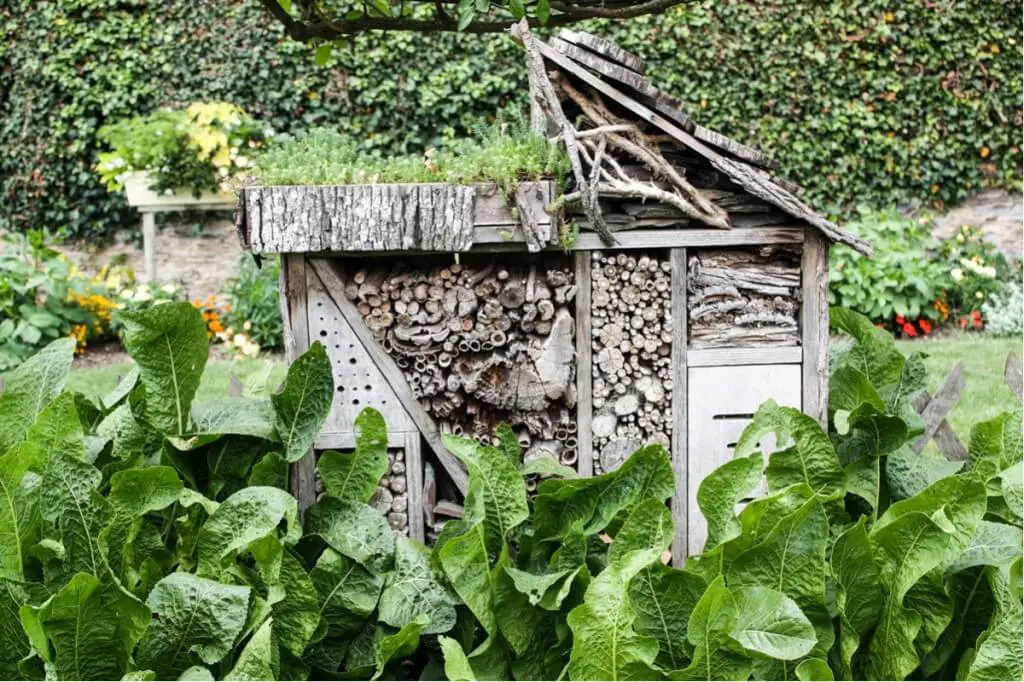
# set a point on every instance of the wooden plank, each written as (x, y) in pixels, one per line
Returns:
(814, 327)
(302, 479)
(335, 286)
(694, 238)
(767, 355)
(346, 440)
(1013, 375)
(945, 437)
(680, 459)
(754, 180)
(584, 367)
(939, 406)
(604, 48)
(720, 404)
(414, 484)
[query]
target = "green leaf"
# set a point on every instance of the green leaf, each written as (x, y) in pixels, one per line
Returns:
(721, 491)
(30, 387)
(301, 408)
(212, 419)
(995, 445)
(991, 545)
(999, 654)
(121, 391)
(197, 673)
(170, 347)
(646, 533)
(400, 644)
(13, 467)
(257, 660)
(355, 476)
(72, 507)
(875, 353)
(547, 466)
(412, 592)
(858, 592)
(245, 517)
(297, 614)
(771, 624)
(1012, 485)
(90, 629)
(534, 586)
(456, 665)
(501, 487)
(908, 473)
(14, 640)
(543, 11)
(356, 530)
(195, 619)
(790, 559)
(348, 593)
(58, 429)
(715, 657)
(811, 459)
(588, 505)
(814, 670)
(664, 599)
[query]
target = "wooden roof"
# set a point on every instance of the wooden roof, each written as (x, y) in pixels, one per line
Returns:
(617, 78)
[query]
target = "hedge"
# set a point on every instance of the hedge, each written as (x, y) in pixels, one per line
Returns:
(868, 102)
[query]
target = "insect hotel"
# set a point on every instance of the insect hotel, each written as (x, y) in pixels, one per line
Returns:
(695, 290)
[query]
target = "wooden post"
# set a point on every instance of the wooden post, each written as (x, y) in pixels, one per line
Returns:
(584, 367)
(302, 483)
(149, 245)
(414, 484)
(680, 424)
(814, 326)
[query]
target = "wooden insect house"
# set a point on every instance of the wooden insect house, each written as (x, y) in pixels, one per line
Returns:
(695, 290)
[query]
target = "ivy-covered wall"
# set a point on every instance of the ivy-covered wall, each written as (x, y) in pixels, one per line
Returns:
(864, 101)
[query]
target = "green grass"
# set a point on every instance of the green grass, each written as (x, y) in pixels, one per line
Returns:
(97, 381)
(985, 392)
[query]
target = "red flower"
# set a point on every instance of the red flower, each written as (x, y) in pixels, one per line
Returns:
(909, 330)
(925, 326)
(976, 318)
(900, 320)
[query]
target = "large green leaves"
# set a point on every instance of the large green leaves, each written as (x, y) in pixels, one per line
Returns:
(771, 624)
(347, 591)
(170, 346)
(716, 655)
(29, 388)
(73, 511)
(356, 475)
(86, 631)
(721, 491)
(663, 599)
(858, 592)
(13, 467)
(245, 517)
(353, 529)
(196, 620)
(588, 505)
(412, 592)
(303, 404)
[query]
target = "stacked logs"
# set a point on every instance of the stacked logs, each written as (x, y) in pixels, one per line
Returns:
(480, 346)
(744, 297)
(631, 319)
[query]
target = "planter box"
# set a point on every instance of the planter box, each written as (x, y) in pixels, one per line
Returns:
(138, 193)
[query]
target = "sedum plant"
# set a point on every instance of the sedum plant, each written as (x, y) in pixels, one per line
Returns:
(148, 536)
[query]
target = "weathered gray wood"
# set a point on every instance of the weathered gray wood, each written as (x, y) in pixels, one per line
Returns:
(335, 286)
(729, 357)
(302, 479)
(940, 404)
(695, 238)
(680, 423)
(414, 478)
(387, 217)
(603, 48)
(754, 180)
(584, 376)
(346, 440)
(1012, 374)
(814, 327)
(945, 437)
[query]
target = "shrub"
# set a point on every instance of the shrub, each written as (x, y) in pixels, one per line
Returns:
(42, 297)
(1004, 311)
(152, 532)
(902, 279)
(977, 269)
(254, 305)
(197, 148)
(864, 101)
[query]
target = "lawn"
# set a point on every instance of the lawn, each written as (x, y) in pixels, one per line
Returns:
(984, 396)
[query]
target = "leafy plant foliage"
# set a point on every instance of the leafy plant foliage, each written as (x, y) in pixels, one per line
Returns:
(868, 101)
(132, 546)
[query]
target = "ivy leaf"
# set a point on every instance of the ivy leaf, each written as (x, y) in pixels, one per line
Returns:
(355, 476)
(771, 624)
(195, 618)
(301, 408)
(28, 388)
(86, 631)
(323, 53)
(170, 346)
(356, 530)
(245, 517)
(411, 592)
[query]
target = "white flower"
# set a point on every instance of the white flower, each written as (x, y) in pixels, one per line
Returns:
(168, 289)
(979, 295)
(957, 274)
(247, 326)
